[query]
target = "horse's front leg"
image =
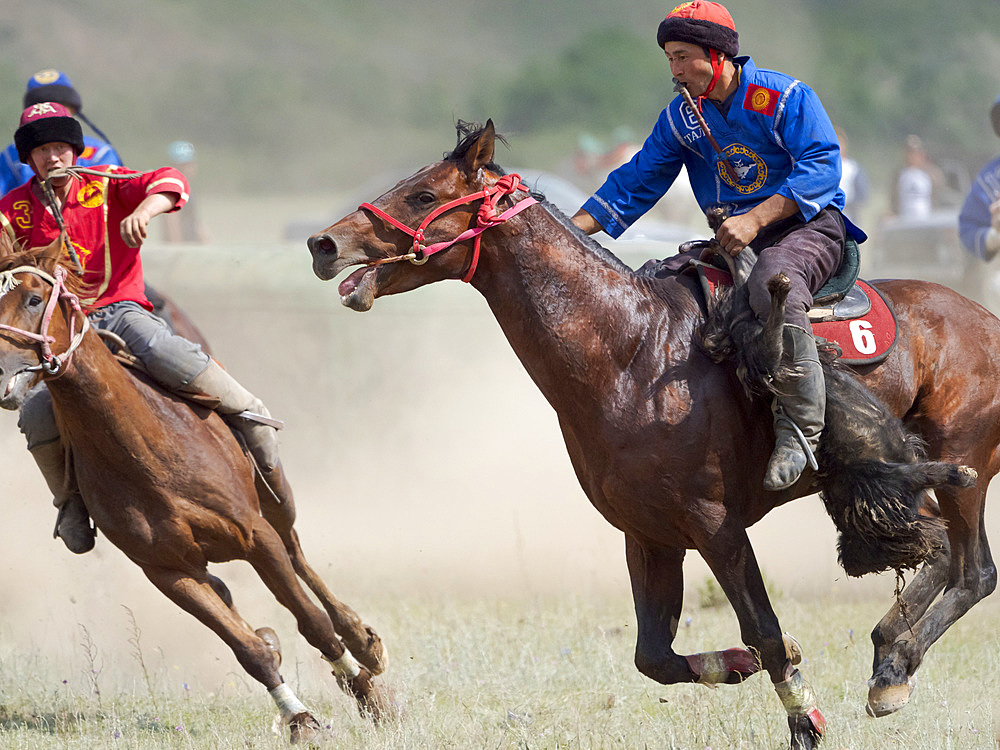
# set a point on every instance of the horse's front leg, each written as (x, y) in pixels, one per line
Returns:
(657, 590)
(734, 564)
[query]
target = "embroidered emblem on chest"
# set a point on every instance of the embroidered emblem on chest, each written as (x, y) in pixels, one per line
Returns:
(91, 195)
(750, 169)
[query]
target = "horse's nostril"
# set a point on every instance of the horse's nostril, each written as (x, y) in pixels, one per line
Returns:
(323, 244)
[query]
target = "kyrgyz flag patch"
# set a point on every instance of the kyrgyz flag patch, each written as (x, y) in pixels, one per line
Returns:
(760, 99)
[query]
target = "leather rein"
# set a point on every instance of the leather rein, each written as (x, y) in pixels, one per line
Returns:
(52, 365)
(486, 217)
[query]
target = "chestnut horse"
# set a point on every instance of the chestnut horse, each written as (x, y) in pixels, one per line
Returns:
(167, 482)
(663, 441)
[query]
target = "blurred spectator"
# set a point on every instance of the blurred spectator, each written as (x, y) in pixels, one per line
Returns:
(186, 225)
(853, 181)
(916, 184)
(622, 152)
(979, 221)
(53, 86)
(588, 151)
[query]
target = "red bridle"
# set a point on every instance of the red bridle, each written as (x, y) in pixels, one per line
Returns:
(486, 217)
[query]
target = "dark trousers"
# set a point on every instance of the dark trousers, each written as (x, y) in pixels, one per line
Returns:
(808, 253)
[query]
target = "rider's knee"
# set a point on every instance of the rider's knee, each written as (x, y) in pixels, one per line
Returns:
(37, 420)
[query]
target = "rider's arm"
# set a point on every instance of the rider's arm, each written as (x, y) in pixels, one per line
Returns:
(586, 222)
(804, 130)
(635, 187)
(133, 227)
(739, 231)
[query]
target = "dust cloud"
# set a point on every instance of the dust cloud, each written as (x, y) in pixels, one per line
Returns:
(424, 462)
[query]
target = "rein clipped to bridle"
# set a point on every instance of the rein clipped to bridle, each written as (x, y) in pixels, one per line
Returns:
(51, 365)
(486, 217)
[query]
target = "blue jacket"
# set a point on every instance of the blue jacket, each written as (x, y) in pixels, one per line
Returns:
(776, 134)
(14, 173)
(974, 220)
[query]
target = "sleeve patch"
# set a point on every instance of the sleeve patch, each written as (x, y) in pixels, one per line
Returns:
(760, 99)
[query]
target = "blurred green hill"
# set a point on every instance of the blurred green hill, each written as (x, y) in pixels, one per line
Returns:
(319, 95)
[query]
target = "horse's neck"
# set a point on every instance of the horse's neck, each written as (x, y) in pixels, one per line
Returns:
(575, 319)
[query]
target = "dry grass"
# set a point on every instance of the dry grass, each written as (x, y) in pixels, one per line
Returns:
(551, 672)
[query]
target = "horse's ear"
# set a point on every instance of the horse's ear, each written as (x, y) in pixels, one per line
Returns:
(481, 152)
(7, 245)
(52, 252)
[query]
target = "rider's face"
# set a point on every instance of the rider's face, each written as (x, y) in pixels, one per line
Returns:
(49, 156)
(690, 65)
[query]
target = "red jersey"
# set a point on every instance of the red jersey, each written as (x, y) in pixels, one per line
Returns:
(94, 210)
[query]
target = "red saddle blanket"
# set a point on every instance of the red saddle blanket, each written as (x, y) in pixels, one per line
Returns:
(864, 340)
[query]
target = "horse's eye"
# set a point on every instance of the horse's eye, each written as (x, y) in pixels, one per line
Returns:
(34, 300)
(425, 197)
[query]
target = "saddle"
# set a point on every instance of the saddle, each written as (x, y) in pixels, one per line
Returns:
(847, 311)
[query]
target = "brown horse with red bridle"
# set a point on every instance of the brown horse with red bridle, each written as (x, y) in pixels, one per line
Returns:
(664, 442)
(167, 482)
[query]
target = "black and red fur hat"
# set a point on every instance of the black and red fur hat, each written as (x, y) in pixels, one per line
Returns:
(703, 23)
(47, 122)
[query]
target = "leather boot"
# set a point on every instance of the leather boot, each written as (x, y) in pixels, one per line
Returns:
(233, 398)
(275, 479)
(800, 403)
(73, 521)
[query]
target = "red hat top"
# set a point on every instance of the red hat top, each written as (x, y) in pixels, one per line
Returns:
(700, 22)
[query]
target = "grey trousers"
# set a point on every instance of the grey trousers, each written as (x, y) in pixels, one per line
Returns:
(171, 360)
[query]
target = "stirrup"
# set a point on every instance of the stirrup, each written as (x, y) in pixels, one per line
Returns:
(780, 416)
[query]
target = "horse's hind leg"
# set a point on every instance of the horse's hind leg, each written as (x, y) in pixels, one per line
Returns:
(361, 640)
(971, 577)
(271, 562)
(267, 634)
(199, 596)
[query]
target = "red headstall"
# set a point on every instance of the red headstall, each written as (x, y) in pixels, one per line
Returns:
(486, 217)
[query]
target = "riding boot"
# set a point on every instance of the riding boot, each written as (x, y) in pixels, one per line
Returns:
(73, 521)
(799, 410)
(275, 479)
(233, 399)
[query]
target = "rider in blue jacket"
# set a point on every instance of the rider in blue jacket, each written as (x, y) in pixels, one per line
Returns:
(779, 173)
(979, 221)
(53, 86)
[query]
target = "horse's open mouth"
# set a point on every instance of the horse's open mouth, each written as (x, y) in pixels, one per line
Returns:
(357, 291)
(15, 390)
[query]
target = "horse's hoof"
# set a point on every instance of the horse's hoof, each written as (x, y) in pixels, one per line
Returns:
(969, 476)
(304, 728)
(779, 284)
(372, 656)
(883, 701)
(793, 651)
(376, 700)
(270, 638)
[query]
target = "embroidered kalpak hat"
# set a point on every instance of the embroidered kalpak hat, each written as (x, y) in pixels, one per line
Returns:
(703, 23)
(47, 122)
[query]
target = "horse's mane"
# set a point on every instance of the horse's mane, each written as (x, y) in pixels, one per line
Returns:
(469, 132)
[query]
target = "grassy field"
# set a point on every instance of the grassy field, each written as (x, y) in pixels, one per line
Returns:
(546, 672)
